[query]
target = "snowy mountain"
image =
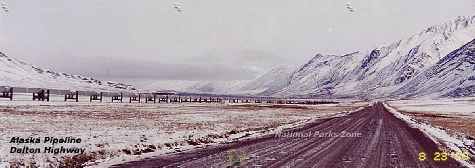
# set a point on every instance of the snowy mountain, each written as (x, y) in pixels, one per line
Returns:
(320, 75)
(214, 87)
(382, 71)
(15, 73)
(152, 85)
(399, 69)
(266, 84)
(454, 75)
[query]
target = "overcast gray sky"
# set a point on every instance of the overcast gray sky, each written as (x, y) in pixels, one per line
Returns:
(236, 38)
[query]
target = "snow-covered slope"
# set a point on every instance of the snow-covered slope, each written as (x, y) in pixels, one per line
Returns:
(15, 73)
(266, 84)
(381, 71)
(407, 58)
(454, 75)
(320, 75)
(214, 87)
(163, 85)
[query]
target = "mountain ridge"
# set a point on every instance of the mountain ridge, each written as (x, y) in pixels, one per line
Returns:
(380, 71)
(457, 70)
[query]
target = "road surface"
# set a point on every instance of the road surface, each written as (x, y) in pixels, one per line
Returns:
(371, 138)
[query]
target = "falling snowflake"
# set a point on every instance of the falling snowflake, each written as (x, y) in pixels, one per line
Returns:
(178, 6)
(349, 7)
(4, 6)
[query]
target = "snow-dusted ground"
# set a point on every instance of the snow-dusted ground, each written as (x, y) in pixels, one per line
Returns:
(457, 114)
(450, 122)
(452, 106)
(111, 130)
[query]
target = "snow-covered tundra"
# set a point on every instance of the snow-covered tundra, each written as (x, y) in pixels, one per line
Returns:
(115, 132)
